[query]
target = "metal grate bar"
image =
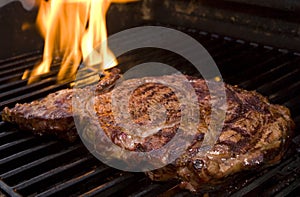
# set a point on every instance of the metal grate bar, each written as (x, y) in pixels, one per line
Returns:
(31, 182)
(111, 187)
(177, 191)
(242, 70)
(268, 76)
(262, 179)
(268, 63)
(37, 162)
(8, 190)
(29, 88)
(293, 105)
(285, 94)
(17, 142)
(14, 82)
(237, 56)
(6, 133)
(287, 190)
(11, 137)
(146, 190)
(156, 189)
(14, 70)
(34, 95)
(214, 46)
(232, 48)
(12, 85)
(18, 57)
(74, 181)
(282, 82)
(25, 152)
(19, 64)
(11, 78)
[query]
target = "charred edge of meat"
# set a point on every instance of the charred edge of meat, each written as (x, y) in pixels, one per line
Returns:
(39, 126)
(50, 115)
(108, 80)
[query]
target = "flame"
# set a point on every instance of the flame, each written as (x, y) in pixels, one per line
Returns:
(72, 29)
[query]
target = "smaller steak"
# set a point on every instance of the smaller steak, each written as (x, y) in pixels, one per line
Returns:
(53, 114)
(50, 115)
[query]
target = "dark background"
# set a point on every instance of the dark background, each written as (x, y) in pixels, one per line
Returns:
(269, 22)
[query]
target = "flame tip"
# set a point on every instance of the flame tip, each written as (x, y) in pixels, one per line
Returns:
(74, 27)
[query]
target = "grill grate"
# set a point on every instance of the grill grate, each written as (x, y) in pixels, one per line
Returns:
(43, 166)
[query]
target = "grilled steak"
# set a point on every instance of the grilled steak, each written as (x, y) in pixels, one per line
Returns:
(50, 115)
(53, 114)
(255, 132)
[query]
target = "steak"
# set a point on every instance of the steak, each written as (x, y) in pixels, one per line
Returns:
(50, 115)
(255, 133)
(53, 115)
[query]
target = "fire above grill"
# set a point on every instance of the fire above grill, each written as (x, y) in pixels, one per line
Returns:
(43, 166)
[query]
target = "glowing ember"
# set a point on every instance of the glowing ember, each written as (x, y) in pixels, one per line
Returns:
(73, 28)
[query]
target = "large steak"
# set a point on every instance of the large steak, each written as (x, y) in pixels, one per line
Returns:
(255, 132)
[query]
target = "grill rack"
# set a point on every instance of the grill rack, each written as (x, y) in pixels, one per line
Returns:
(43, 166)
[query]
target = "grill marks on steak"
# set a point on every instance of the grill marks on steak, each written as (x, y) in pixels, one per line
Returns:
(150, 95)
(144, 112)
(255, 133)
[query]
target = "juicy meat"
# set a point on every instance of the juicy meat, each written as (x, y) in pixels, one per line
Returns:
(255, 133)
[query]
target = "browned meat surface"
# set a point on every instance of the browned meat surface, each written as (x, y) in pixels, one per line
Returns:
(50, 115)
(255, 133)
(108, 80)
(53, 114)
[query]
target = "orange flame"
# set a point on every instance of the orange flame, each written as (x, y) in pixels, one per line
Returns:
(73, 28)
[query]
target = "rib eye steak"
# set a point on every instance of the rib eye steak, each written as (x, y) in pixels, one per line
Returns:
(255, 133)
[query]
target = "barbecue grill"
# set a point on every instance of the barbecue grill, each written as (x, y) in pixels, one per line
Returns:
(256, 46)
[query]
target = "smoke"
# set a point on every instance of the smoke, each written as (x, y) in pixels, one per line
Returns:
(27, 4)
